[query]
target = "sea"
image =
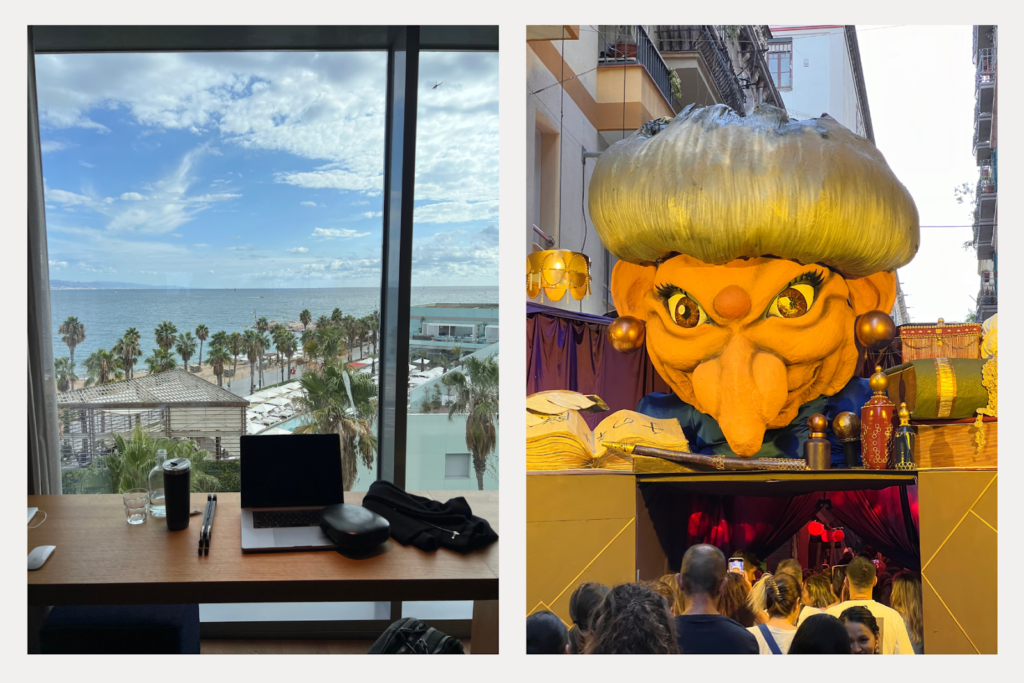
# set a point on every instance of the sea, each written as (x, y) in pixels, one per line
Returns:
(107, 313)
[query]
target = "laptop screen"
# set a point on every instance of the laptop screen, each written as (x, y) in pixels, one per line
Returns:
(291, 470)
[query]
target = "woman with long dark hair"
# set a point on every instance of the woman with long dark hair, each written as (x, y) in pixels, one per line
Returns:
(862, 627)
(732, 602)
(632, 619)
(582, 604)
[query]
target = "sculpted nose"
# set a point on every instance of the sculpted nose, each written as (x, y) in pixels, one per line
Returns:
(732, 303)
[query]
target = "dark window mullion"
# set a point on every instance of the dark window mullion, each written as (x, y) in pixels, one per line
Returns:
(396, 255)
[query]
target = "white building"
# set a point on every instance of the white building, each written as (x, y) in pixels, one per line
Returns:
(818, 70)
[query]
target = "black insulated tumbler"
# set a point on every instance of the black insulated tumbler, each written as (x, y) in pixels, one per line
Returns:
(177, 486)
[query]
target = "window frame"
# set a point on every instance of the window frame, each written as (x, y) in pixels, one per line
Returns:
(775, 59)
(403, 45)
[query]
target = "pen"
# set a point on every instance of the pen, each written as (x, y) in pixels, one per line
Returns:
(206, 521)
(209, 528)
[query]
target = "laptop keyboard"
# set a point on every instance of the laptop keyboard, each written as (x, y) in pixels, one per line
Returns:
(275, 519)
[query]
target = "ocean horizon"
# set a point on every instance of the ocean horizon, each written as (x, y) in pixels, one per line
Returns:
(107, 313)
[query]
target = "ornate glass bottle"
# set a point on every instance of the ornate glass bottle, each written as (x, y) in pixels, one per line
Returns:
(876, 424)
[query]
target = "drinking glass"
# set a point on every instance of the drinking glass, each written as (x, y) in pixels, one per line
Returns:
(135, 502)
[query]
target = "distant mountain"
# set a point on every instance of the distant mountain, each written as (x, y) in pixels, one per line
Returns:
(65, 284)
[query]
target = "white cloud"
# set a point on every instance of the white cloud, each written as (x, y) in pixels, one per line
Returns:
(372, 214)
(457, 253)
(243, 249)
(86, 164)
(313, 204)
(57, 265)
(92, 269)
(52, 146)
(298, 250)
(133, 197)
(457, 212)
(200, 245)
(69, 198)
(333, 232)
(175, 234)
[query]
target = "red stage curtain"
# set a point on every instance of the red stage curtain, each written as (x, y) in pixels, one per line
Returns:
(569, 351)
(887, 519)
(760, 524)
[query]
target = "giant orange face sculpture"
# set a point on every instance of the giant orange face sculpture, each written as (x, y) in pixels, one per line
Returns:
(749, 247)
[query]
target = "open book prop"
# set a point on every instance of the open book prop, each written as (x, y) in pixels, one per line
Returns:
(565, 442)
(558, 402)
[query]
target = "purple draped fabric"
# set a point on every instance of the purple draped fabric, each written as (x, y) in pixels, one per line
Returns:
(569, 351)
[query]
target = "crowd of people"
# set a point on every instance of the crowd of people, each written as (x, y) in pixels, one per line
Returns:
(863, 605)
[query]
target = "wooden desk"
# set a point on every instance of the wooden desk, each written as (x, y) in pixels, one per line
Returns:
(101, 560)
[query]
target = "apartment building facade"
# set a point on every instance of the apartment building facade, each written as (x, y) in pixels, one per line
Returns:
(986, 148)
(590, 86)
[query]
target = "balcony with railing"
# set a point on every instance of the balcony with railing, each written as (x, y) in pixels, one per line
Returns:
(988, 300)
(985, 80)
(632, 45)
(701, 40)
(986, 194)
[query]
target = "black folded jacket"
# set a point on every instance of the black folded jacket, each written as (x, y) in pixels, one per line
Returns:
(429, 524)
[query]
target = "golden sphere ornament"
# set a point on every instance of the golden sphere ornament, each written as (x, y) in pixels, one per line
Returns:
(846, 426)
(627, 334)
(817, 424)
(875, 330)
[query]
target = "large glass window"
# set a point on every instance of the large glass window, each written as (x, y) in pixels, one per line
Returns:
(214, 231)
(452, 437)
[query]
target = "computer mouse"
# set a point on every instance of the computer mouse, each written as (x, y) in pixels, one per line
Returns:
(39, 555)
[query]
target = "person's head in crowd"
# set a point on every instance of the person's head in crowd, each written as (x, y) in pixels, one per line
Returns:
(733, 601)
(807, 572)
(883, 588)
(862, 628)
(839, 582)
(847, 556)
(751, 564)
(702, 574)
(632, 619)
(778, 595)
(546, 634)
(860, 578)
(668, 588)
(906, 599)
(817, 592)
(792, 567)
(582, 603)
(820, 634)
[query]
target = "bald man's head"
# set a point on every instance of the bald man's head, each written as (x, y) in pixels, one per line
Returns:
(702, 571)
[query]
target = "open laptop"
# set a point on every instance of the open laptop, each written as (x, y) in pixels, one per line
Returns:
(286, 481)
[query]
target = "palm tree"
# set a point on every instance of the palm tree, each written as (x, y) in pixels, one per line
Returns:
(374, 324)
(166, 334)
(103, 367)
(128, 350)
(73, 334)
(236, 345)
(350, 330)
(310, 341)
(476, 396)
(64, 370)
(216, 359)
(330, 411)
(161, 361)
(186, 348)
(128, 466)
(201, 334)
(305, 318)
(329, 343)
(289, 351)
(362, 332)
(456, 354)
(253, 349)
(336, 316)
(284, 341)
(219, 339)
(322, 322)
(262, 325)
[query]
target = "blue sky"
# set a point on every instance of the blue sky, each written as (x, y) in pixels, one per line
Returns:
(261, 169)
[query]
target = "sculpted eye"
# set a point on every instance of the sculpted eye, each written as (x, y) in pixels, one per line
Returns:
(685, 311)
(792, 302)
